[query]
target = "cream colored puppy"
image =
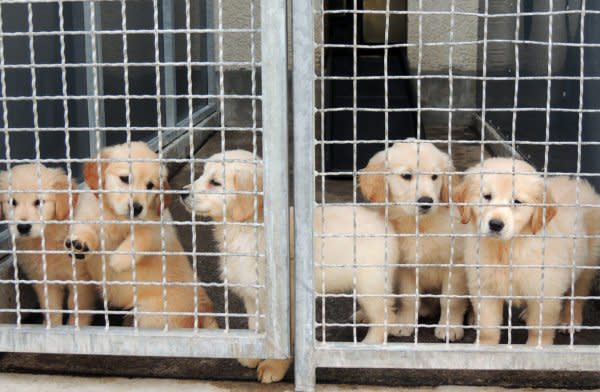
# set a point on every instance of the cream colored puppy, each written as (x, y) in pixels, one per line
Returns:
(502, 206)
(417, 189)
(235, 176)
(29, 207)
(135, 197)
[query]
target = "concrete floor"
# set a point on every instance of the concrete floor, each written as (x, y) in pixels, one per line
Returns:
(337, 310)
(36, 383)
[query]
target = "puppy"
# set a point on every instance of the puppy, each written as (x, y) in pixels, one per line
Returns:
(235, 176)
(418, 193)
(135, 197)
(28, 208)
(513, 214)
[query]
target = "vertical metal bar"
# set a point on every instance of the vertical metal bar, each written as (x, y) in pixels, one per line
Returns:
(94, 79)
(275, 145)
(168, 47)
(6, 131)
(303, 98)
(210, 51)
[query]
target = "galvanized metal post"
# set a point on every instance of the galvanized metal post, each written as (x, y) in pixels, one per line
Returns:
(275, 146)
(304, 127)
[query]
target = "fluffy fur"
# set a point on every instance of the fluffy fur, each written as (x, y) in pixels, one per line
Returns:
(236, 176)
(423, 203)
(145, 182)
(29, 212)
(500, 213)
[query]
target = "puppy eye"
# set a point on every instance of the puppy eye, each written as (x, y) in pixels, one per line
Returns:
(517, 201)
(487, 196)
(36, 203)
(149, 185)
(434, 177)
(215, 183)
(125, 179)
(407, 176)
(13, 202)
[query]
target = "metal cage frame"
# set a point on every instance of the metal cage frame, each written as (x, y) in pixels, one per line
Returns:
(273, 342)
(312, 354)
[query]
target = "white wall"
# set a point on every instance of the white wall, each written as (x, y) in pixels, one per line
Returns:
(237, 14)
(435, 28)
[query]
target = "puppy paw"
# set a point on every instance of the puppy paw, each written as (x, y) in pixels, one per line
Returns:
(401, 331)
(406, 318)
(566, 327)
(120, 263)
(84, 320)
(489, 337)
(272, 370)
(210, 322)
(78, 247)
(452, 334)
(249, 362)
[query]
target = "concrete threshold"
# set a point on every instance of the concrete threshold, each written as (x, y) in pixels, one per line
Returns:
(47, 383)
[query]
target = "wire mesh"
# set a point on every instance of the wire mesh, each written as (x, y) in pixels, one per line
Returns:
(105, 105)
(490, 250)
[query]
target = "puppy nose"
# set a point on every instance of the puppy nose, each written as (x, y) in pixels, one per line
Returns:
(24, 228)
(496, 225)
(425, 203)
(185, 195)
(137, 209)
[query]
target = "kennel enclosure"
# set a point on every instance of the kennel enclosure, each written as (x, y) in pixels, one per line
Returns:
(79, 76)
(478, 78)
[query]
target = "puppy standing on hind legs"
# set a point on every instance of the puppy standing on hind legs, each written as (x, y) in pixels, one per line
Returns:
(29, 208)
(239, 209)
(129, 176)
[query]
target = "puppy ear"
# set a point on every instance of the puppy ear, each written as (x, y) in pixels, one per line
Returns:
(62, 205)
(90, 170)
(372, 186)
(445, 191)
(459, 195)
(537, 219)
(166, 198)
(241, 208)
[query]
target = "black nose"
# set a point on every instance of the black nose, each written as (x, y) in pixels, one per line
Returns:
(24, 228)
(425, 203)
(496, 225)
(185, 195)
(137, 209)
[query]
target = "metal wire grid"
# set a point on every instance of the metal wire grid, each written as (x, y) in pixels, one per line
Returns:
(108, 337)
(312, 196)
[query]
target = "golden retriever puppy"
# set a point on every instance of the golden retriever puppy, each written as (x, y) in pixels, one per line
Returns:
(131, 191)
(417, 189)
(521, 226)
(29, 207)
(237, 176)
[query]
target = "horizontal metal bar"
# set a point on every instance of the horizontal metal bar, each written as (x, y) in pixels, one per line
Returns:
(128, 341)
(128, 32)
(458, 356)
(135, 128)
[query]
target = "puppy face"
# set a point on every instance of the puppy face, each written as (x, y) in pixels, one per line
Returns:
(129, 195)
(30, 204)
(226, 175)
(420, 187)
(502, 213)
